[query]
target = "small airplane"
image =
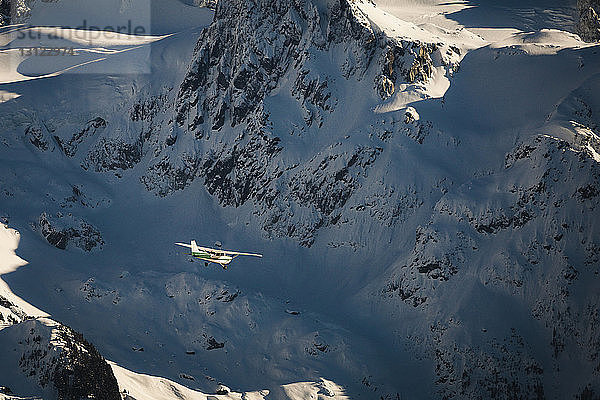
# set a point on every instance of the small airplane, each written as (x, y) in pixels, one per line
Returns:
(222, 257)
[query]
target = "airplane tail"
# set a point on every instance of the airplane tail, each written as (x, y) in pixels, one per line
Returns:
(195, 248)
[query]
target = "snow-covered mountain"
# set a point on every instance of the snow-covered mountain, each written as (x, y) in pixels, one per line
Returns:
(421, 177)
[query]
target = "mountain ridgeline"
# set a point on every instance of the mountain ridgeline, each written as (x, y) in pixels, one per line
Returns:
(231, 134)
(443, 190)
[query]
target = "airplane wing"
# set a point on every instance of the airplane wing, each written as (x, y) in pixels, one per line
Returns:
(241, 254)
(208, 249)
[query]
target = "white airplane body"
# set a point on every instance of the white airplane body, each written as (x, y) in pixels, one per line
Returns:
(221, 257)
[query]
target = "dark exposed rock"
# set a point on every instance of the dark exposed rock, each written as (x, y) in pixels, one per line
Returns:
(222, 390)
(501, 222)
(238, 62)
(227, 297)
(83, 372)
(439, 254)
(329, 188)
(587, 192)
(313, 95)
(212, 4)
(425, 269)
(91, 128)
(406, 294)
(588, 23)
(404, 61)
(69, 364)
(147, 108)
(500, 369)
(5, 390)
(37, 138)
(5, 12)
(588, 393)
(15, 314)
(238, 174)
(212, 344)
(165, 177)
(82, 235)
(186, 376)
(5, 303)
(80, 196)
(109, 155)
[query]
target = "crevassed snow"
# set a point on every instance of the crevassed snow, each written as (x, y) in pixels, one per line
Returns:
(401, 21)
(157, 17)
(74, 40)
(57, 36)
(543, 42)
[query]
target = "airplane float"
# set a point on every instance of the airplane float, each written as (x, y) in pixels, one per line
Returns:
(221, 257)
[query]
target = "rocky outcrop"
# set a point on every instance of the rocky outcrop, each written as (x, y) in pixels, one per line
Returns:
(212, 4)
(5, 13)
(237, 65)
(60, 361)
(18, 11)
(10, 313)
(588, 23)
(229, 132)
(67, 362)
(531, 229)
(37, 137)
(53, 357)
(165, 177)
(60, 231)
(116, 154)
(89, 130)
(404, 61)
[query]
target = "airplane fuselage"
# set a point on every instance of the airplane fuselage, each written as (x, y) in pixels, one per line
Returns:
(222, 259)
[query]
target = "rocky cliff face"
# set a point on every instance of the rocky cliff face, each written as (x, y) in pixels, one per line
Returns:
(588, 24)
(52, 358)
(304, 54)
(15, 11)
(56, 357)
(212, 4)
(227, 107)
(224, 124)
(560, 256)
(4, 13)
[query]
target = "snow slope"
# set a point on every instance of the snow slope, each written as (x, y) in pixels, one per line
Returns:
(422, 183)
(27, 336)
(52, 38)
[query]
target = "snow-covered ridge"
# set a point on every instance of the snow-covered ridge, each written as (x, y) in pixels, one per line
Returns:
(39, 355)
(241, 68)
(42, 39)
(420, 193)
